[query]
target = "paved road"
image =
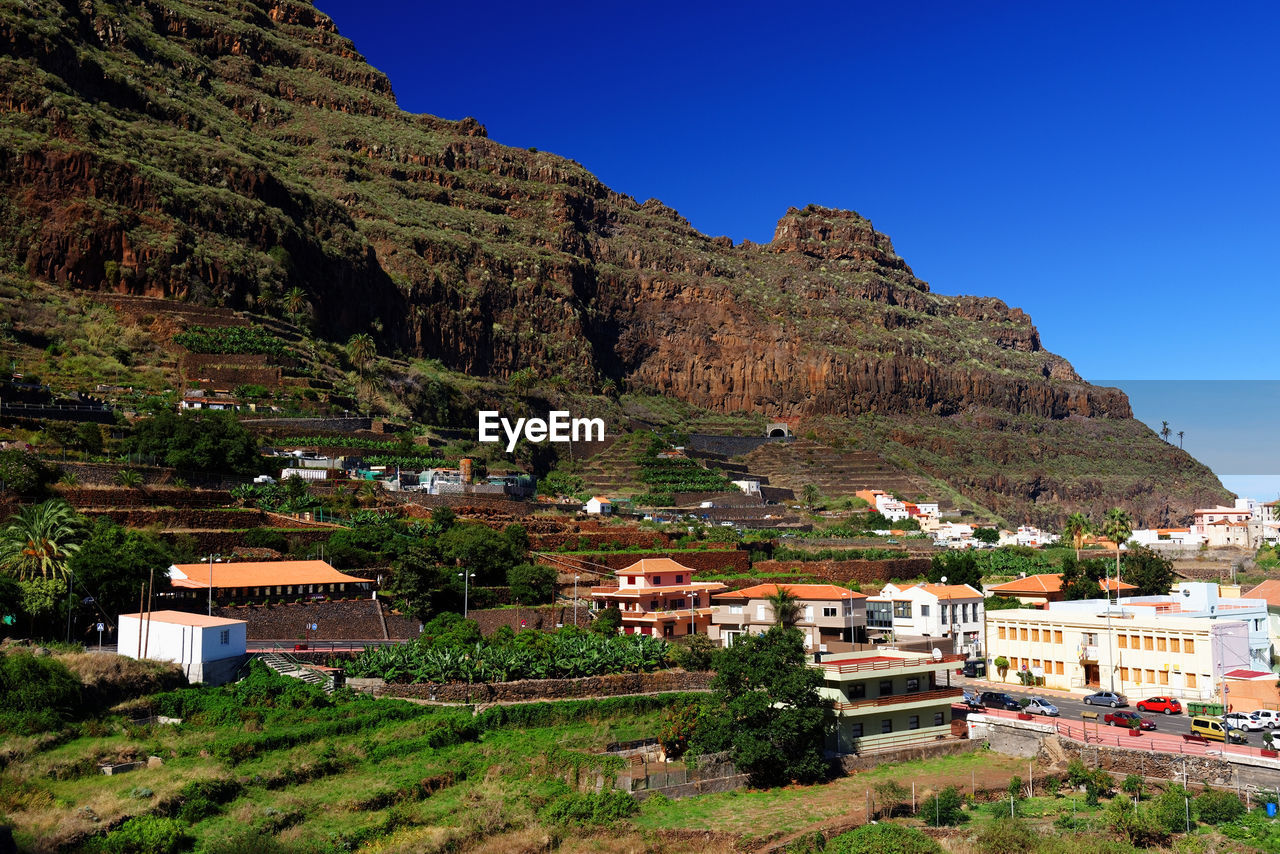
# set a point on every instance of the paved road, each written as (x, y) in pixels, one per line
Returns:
(1071, 707)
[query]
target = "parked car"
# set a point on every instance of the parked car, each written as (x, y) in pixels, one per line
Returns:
(1269, 717)
(1215, 730)
(1240, 720)
(1106, 698)
(998, 700)
(974, 668)
(1126, 719)
(1167, 705)
(1041, 706)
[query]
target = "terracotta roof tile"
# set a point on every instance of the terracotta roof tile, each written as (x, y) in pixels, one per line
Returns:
(258, 574)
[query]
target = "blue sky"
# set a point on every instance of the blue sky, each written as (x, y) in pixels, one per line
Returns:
(1109, 167)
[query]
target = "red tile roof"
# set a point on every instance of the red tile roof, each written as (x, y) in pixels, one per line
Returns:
(182, 618)
(1268, 590)
(652, 565)
(258, 574)
(800, 591)
(1048, 582)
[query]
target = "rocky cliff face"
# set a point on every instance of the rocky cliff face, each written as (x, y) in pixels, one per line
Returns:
(229, 152)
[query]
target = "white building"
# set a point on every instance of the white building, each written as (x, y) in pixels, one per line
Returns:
(599, 506)
(950, 611)
(210, 649)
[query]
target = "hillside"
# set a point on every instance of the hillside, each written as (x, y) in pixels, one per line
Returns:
(244, 155)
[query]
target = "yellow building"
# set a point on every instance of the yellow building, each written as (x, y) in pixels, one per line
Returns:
(1138, 655)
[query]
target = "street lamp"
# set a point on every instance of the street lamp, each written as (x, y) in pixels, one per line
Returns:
(465, 576)
(212, 557)
(575, 600)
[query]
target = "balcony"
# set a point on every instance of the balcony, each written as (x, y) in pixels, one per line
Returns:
(937, 695)
(855, 666)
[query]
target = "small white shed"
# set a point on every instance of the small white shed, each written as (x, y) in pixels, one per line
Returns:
(599, 505)
(210, 649)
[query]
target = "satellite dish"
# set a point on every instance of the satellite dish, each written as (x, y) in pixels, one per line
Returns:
(937, 654)
(944, 579)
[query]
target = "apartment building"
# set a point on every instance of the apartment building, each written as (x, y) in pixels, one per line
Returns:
(832, 618)
(658, 597)
(888, 699)
(950, 612)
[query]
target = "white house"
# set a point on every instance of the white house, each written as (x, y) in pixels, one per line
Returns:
(210, 649)
(950, 611)
(599, 506)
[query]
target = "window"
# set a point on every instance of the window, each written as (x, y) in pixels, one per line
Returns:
(1191, 680)
(1058, 669)
(913, 684)
(1151, 677)
(1089, 638)
(1057, 638)
(224, 637)
(1002, 637)
(886, 687)
(1134, 642)
(1122, 641)
(828, 612)
(1162, 644)
(942, 612)
(735, 609)
(679, 579)
(913, 722)
(1035, 635)
(760, 612)
(924, 610)
(1022, 633)
(1148, 642)
(879, 616)
(1190, 646)
(1164, 677)
(938, 719)
(964, 610)
(1124, 674)
(1035, 662)
(855, 730)
(901, 610)
(848, 608)
(1175, 645)
(886, 725)
(808, 613)
(857, 690)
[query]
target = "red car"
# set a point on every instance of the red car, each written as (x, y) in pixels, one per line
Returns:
(1168, 705)
(1125, 719)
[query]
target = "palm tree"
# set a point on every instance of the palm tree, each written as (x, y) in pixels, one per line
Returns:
(1180, 432)
(361, 349)
(810, 494)
(1077, 529)
(1117, 528)
(1164, 430)
(295, 301)
(40, 540)
(786, 606)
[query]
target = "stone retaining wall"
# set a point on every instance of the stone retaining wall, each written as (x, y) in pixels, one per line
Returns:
(622, 538)
(185, 518)
(530, 690)
(705, 561)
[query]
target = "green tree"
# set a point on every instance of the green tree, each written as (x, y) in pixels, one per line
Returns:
(1001, 603)
(608, 621)
(114, 561)
(25, 473)
(296, 303)
(1164, 430)
(986, 535)
(531, 584)
(883, 838)
(207, 441)
(1173, 809)
(1117, 527)
(768, 711)
(40, 539)
(89, 438)
(958, 567)
(1082, 579)
(484, 551)
(1076, 530)
(1218, 807)
(1152, 573)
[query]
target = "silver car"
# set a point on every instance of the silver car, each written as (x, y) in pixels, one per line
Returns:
(1041, 706)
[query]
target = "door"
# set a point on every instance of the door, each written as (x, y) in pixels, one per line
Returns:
(1092, 675)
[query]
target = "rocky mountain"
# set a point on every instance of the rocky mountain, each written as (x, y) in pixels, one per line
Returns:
(230, 152)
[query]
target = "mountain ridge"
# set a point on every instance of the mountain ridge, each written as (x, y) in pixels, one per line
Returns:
(229, 152)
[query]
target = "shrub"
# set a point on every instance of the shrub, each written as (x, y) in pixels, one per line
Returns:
(1216, 807)
(1170, 809)
(599, 808)
(265, 538)
(943, 809)
(146, 834)
(36, 694)
(1006, 835)
(883, 838)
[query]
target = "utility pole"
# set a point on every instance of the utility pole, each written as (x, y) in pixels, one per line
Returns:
(465, 576)
(575, 600)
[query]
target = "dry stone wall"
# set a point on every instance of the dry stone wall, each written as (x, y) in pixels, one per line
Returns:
(842, 571)
(528, 690)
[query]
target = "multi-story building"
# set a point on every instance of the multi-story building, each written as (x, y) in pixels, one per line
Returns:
(887, 699)
(950, 612)
(832, 618)
(1088, 644)
(659, 597)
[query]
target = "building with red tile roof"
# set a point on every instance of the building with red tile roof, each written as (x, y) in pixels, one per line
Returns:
(1038, 590)
(658, 597)
(831, 618)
